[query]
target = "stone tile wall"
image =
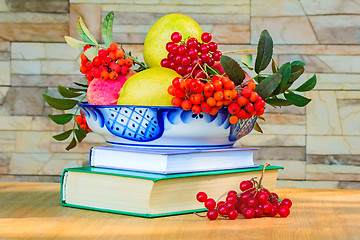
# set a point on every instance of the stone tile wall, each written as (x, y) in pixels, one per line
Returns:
(319, 146)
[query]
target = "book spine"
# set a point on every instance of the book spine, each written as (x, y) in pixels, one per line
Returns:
(91, 156)
(63, 185)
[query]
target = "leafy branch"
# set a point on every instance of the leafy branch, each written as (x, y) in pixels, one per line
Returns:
(273, 88)
(67, 103)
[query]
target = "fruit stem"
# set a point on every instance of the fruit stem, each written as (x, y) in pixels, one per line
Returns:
(263, 172)
(237, 51)
(199, 215)
(136, 61)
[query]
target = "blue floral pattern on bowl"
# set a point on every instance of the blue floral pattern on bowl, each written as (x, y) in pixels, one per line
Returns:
(164, 127)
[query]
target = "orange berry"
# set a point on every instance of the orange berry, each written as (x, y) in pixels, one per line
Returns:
(246, 92)
(219, 104)
(234, 94)
(227, 102)
(119, 53)
(211, 101)
(83, 57)
(254, 96)
(233, 119)
(113, 75)
(105, 75)
(242, 101)
(186, 105)
(205, 107)
(184, 85)
(79, 119)
(83, 126)
(229, 85)
(124, 70)
(176, 102)
(251, 85)
(121, 62)
(171, 90)
(228, 94)
(196, 109)
(83, 69)
(128, 62)
(112, 56)
(113, 47)
(213, 111)
(219, 95)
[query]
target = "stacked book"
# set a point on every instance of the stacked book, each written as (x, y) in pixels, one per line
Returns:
(158, 182)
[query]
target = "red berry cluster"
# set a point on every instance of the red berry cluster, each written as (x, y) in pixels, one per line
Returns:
(108, 64)
(81, 120)
(254, 201)
(202, 95)
(186, 57)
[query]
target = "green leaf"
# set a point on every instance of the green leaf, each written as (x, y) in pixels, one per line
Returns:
(211, 70)
(80, 134)
(107, 28)
(67, 93)
(247, 60)
(258, 128)
(232, 69)
(74, 43)
(62, 136)
(296, 99)
(60, 104)
(278, 102)
(61, 118)
(264, 51)
(78, 89)
(91, 53)
(296, 71)
(274, 67)
(71, 145)
(267, 86)
(81, 84)
(298, 63)
(285, 70)
(308, 85)
(84, 32)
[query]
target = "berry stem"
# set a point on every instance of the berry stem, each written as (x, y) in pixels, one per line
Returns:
(263, 172)
(199, 215)
(136, 61)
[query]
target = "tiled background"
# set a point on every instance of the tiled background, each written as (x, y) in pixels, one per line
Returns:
(319, 146)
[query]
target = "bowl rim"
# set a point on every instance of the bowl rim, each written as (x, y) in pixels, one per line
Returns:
(86, 104)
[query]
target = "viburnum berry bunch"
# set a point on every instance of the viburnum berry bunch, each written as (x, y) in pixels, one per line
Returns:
(108, 64)
(186, 56)
(252, 201)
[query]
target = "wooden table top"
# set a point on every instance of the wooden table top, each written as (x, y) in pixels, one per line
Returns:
(33, 211)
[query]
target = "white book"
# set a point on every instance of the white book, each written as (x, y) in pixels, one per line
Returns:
(169, 161)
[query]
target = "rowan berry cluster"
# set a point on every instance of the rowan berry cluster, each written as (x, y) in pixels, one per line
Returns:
(202, 95)
(81, 120)
(186, 56)
(108, 64)
(252, 202)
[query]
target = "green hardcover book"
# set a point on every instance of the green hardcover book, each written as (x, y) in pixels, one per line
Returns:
(151, 195)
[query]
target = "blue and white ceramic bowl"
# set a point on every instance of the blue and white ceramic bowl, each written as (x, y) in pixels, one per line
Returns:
(164, 127)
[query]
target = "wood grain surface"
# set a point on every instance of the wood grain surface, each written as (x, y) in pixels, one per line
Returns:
(33, 211)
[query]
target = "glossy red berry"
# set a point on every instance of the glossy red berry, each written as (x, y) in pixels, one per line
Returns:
(245, 185)
(201, 196)
(249, 213)
(233, 214)
(212, 214)
(286, 202)
(206, 37)
(284, 211)
(262, 197)
(176, 37)
(210, 203)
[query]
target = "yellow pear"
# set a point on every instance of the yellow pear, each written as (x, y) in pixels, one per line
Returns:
(160, 34)
(148, 88)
